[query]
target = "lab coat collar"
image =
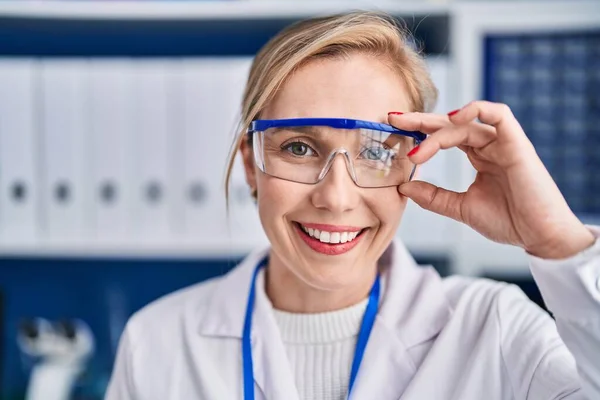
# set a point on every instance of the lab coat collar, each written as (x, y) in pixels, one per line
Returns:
(413, 310)
(224, 316)
(414, 305)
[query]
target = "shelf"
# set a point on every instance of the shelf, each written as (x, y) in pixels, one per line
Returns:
(185, 249)
(208, 9)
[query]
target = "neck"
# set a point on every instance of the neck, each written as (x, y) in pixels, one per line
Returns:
(287, 292)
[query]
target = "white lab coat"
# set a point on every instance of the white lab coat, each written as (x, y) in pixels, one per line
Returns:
(454, 338)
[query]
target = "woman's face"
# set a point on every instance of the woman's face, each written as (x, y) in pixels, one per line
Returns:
(359, 87)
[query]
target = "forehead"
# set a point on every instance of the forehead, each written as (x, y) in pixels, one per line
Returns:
(358, 86)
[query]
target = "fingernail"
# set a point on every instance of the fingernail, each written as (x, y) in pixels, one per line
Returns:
(451, 113)
(395, 113)
(413, 151)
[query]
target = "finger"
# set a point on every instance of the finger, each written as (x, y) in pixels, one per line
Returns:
(497, 115)
(471, 135)
(463, 148)
(434, 198)
(415, 121)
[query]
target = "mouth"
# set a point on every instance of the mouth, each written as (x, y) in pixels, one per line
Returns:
(329, 239)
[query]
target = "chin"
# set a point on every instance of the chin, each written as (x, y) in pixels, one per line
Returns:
(328, 272)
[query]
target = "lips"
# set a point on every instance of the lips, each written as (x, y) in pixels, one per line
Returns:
(337, 232)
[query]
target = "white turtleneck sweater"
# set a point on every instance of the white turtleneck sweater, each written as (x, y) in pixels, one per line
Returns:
(320, 348)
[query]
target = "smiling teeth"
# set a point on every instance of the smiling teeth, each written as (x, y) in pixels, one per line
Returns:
(331, 237)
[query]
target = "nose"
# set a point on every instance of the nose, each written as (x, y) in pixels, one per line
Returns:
(337, 192)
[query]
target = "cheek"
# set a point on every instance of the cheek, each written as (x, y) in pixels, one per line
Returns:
(387, 205)
(276, 198)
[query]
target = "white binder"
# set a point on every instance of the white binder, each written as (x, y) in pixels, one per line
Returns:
(111, 148)
(202, 143)
(63, 129)
(18, 153)
(152, 88)
(245, 229)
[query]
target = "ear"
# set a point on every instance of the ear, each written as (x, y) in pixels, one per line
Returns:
(247, 154)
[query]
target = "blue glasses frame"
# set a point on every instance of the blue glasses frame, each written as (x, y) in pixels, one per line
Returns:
(260, 125)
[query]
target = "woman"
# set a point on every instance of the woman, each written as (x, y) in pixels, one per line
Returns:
(333, 121)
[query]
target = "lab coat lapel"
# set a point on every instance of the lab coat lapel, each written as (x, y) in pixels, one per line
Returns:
(386, 368)
(225, 318)
(413, 310)
(272, 370)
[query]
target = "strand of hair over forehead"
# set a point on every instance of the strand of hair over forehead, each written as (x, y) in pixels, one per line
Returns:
(336, 35)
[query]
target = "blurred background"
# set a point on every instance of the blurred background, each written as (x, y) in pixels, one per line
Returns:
(116, 119)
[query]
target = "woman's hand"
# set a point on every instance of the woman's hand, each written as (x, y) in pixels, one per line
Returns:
(513, 199)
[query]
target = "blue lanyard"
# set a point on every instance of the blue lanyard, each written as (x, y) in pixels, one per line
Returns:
(361, 343)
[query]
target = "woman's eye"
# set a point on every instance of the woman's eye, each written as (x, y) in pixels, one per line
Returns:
(377, 153)
(299, 149)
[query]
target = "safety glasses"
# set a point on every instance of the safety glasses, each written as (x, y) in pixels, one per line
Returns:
(303, 150)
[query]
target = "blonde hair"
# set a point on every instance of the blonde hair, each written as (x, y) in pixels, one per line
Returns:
(372, 33)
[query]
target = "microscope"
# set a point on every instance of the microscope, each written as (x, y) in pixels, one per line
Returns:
(61, 349)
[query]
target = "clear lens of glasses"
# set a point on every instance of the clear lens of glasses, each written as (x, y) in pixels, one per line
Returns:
(305, 154)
